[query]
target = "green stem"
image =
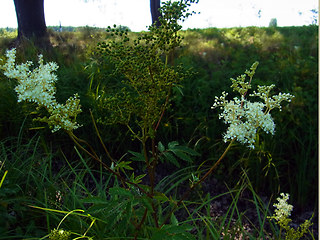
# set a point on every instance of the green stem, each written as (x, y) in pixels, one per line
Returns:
(151, 177)
(163, 109)
(215, 165)
(133, 133)
(141, 222)
(155, 157)
(99, 136)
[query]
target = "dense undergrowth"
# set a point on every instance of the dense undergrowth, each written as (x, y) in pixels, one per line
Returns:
(47, 171)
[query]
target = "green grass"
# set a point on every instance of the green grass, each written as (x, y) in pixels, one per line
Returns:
(47, 187)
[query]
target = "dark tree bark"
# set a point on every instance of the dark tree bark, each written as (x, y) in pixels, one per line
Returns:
(31, 21)
(155, 13)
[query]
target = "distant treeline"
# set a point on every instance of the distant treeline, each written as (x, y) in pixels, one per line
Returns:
(66, 28)
(7, 29)
(54, 28)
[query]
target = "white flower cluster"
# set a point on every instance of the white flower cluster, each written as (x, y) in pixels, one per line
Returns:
(245, 117)
(283, 209)
(275, 100)
(38, 86)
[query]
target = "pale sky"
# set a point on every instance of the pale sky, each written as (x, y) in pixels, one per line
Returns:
(136, 13)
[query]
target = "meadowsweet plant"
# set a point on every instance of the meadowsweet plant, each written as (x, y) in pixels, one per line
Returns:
(281, 216)
(245, 117)
(145, 67)
(37, 86)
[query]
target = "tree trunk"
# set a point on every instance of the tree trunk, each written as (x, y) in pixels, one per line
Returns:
(31, 21)
(155, 13)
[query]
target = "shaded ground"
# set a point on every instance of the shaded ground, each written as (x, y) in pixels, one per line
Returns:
(245, 205)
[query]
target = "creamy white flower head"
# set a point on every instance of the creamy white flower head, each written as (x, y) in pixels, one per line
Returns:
(283, 209)
(33, 86)
(245, 117)
(257, 116)
(38, 86)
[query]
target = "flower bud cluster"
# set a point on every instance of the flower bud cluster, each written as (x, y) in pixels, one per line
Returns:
(63, 116)
(61, 234)
(245, 117)
(38, 86)
(281, 215)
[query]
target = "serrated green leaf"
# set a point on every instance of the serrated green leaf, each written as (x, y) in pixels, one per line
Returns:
(100, 209)
(137, 156)
(187, 150)
(108, 208)
(159, 234)
(138, 178)
(161, 197)
(124, 165)
(120, 191)
(161, 147)
(174, 220)
(182, 155)
(172, 145)
(177, 229)
(173, 232)
(186, 227)
(171, 158)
